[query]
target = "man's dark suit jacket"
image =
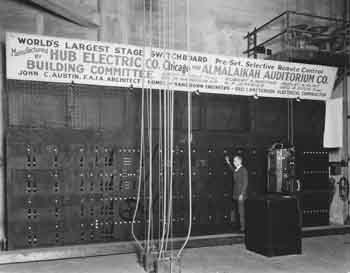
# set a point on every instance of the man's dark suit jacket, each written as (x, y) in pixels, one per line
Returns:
(240, 185)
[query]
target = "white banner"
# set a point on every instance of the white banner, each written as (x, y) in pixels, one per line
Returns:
(52, 59)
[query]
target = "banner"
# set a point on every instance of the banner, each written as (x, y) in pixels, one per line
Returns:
(52, 59)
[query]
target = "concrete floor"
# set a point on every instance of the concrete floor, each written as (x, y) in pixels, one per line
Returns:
(320, 254)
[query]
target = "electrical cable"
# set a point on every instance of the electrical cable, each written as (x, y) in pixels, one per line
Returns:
(141, 139)
(170, 206)
(160, 155)
(149, 165)
(165, 173)
(140, 169)
(171, 127)
(172, 16)
(168, 135)
(189, 131)
(165, 144)
(170, 172)
(150, 126)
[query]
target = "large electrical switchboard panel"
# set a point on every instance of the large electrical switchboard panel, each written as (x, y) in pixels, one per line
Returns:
(313, 171)
(62, 192)
(72, 159)
(79, 187)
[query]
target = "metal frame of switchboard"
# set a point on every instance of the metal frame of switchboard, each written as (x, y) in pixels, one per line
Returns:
(254, 48)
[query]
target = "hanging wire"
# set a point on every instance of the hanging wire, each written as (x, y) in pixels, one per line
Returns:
(141, 137)
(168, 133)
(172, 125)
(171, 35)
(148, 219)
(165, 173)
(160, 136)
(140, 170)
(165, 152)
(150, 128)
(189, 130)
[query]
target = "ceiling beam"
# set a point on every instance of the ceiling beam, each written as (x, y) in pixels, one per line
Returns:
(71, 13)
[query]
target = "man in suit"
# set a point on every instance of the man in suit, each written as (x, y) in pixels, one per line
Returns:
(240, 178)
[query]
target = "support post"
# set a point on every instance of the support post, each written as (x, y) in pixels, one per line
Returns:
(346, 96)
(345, 123)
(346, 99)
(2, 150)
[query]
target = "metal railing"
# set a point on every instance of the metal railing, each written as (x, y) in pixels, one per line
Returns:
(253, 47)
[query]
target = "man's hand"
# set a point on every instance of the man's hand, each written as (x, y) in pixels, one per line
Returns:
(240, 198)
(227, 159)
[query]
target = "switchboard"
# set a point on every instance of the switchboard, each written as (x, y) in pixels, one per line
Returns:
(69, 193)
(315, 208)
(72, 155)
(313, 169)
(74, 193)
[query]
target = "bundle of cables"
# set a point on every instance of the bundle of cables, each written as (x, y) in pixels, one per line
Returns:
(163, 247)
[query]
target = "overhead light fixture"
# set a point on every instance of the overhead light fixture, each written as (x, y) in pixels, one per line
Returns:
(256, 96)
(298, 99)
(197, 92)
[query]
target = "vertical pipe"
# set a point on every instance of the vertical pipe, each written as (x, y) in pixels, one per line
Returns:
(290, 101)
(99, 30)
(285, 40)
(40, 24)
(345, 98)
(346, 151)
(255, 41)
(291, 122)
(288, 122)
(248, 44)
(2, 151)
(345, 120)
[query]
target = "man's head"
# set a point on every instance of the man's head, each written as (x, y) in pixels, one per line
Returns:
(237, 161)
